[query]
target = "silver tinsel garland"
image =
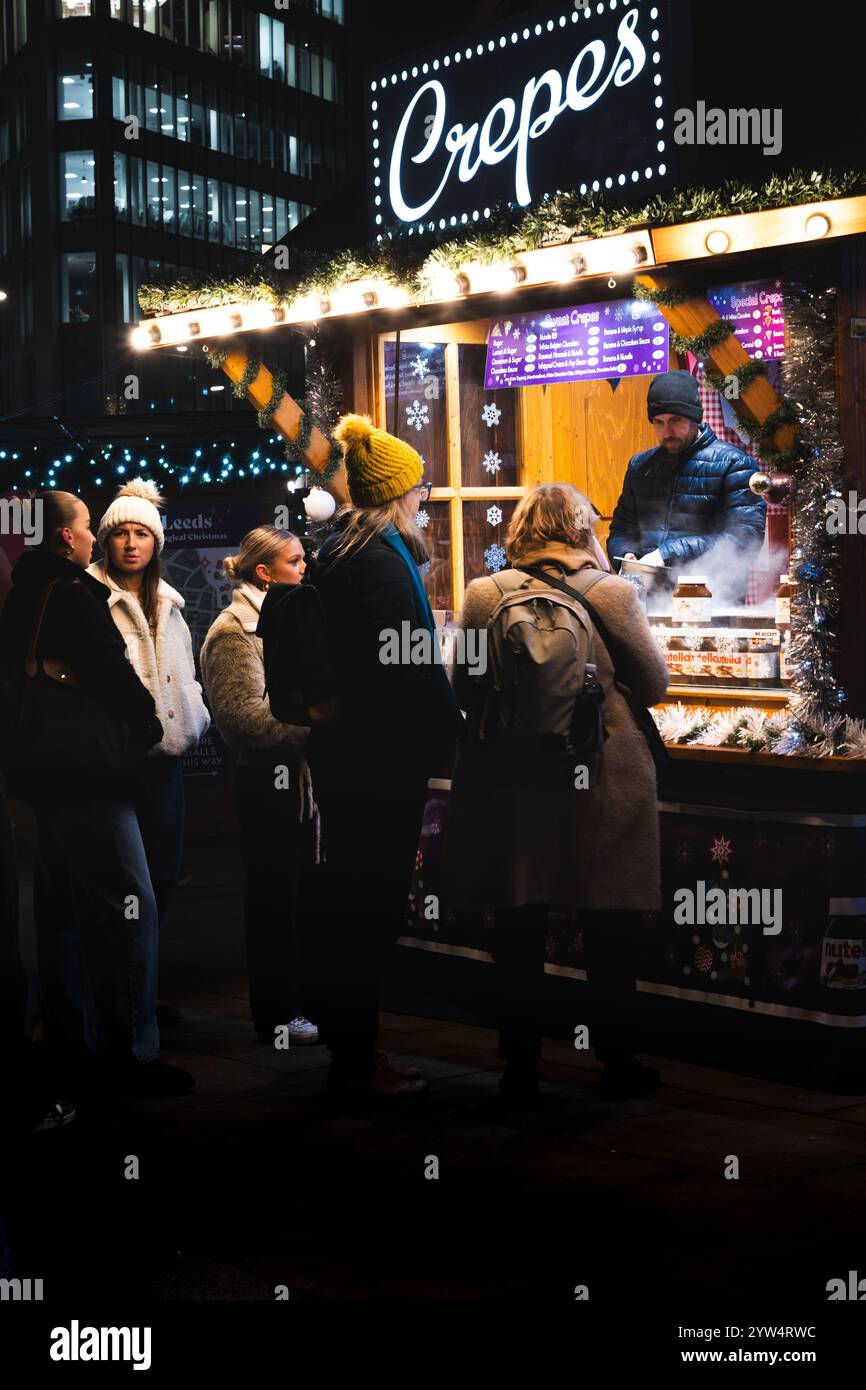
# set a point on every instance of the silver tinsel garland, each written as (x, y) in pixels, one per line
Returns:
(817, 700)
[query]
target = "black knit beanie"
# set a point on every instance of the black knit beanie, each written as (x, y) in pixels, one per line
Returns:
(674, 393)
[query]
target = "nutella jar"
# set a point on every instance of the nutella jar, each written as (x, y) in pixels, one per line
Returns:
(762, 665)
(785, 659)
(783, 601)
(692, 601)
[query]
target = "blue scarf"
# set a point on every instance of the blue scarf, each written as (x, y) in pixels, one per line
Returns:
(391, 536)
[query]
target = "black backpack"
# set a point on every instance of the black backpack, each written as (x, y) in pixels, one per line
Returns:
(299, 676)
(540, 710)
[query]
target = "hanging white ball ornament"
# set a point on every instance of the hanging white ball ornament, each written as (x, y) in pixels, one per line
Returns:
(320, 505)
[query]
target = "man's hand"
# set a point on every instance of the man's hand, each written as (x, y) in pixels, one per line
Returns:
(653, 557)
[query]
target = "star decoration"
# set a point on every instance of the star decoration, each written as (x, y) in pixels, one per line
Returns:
(721, 850)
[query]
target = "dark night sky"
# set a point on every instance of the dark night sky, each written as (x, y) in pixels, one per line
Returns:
(746, 53)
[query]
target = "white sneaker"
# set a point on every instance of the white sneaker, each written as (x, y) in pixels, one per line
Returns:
(301, 1030)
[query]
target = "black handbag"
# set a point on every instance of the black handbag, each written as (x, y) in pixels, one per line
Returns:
(640, 714)
(61, 728)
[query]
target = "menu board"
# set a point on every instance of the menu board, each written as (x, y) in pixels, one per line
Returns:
(624, 337)
(757, 311)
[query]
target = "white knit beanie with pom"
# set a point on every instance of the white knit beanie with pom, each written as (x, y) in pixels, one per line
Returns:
(136, 501)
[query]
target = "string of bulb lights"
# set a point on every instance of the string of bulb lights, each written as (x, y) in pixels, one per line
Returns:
(39, 468)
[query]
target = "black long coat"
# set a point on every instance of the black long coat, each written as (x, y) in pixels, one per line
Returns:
(78, 630)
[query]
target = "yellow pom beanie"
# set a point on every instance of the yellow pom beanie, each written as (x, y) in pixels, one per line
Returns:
(379, 467)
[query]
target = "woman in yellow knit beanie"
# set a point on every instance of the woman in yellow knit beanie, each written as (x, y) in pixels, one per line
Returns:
(396, 726)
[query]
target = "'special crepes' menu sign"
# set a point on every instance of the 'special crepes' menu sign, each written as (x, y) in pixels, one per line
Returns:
(757, 311)
(624, 337)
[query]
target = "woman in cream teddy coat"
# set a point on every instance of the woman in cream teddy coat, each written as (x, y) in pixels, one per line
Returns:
(273, 795)
(148, 613)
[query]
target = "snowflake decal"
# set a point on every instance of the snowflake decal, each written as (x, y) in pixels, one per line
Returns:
(419, 367)
(492, 461)
(684, 853)
(491, 414)
(494, 557)
(494, 515)
(422, 519)
(417, 415)
(721, 850)
(727, 643)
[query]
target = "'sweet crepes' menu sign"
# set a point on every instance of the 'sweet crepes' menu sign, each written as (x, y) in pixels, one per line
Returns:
(625, 337)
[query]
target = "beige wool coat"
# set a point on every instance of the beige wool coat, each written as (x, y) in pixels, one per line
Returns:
(165, 664)
(594, 848)
(233, 670)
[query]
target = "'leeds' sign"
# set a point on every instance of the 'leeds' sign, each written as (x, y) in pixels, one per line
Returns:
(571, 99)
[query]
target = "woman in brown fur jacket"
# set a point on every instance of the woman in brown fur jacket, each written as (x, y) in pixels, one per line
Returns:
(595, 849)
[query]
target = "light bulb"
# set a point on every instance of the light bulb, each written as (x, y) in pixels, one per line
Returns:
(717, 241)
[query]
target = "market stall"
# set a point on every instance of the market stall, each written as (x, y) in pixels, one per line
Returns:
(520, 350)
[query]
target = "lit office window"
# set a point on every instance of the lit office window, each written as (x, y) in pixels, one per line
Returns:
(121, 186)
(154, 195)
(77, 184)
(213, 210)
(268, 219)
(265, 50)
(75, 90)
(79, 287)
(168, 197)
(137, 192)
(119, 108)
(228, 215)
(255, 220)
(166, 103)
(123, 290)
(242, 219)
(74, 9)
(282, 223)
(183, 131)
(184, 202)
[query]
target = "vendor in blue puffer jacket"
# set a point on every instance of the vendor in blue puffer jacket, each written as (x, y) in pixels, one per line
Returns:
(692, 491)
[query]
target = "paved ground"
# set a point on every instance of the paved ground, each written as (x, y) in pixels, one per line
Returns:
(258, 1181)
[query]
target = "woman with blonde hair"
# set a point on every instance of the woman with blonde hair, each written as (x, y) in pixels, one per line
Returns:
(275, 812)
(148, 613)
(395, 726)
(594, 848)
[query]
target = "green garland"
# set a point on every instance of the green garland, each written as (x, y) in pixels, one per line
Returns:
(668, 298)
(295, 449)
(412, 261)
(744, 376)
(703, 343)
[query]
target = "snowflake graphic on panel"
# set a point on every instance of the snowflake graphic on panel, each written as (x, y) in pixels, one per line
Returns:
(721, 850)
(422, 519)
(492, 462)
(494, 515)
(419, 366)
(491, 414)
(494, 557)
(417, 415)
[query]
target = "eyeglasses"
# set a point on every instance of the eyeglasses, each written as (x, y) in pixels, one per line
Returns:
(425, 489)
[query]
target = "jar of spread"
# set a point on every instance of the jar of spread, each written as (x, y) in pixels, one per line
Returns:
(762, 664)
(783, 601)
(785, 659)
(692, 601)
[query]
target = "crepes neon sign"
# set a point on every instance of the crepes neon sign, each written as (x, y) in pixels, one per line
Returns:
(495, 121)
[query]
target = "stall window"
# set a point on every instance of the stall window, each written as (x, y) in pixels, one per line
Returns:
(79, 295)
(77, 184)
(74, 9)
(469, 440)
(75, 90)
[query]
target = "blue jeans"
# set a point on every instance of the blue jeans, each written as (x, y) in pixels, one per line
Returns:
(97, 931)
(159, 805)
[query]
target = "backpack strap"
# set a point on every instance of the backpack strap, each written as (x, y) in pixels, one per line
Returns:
(642, 717)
